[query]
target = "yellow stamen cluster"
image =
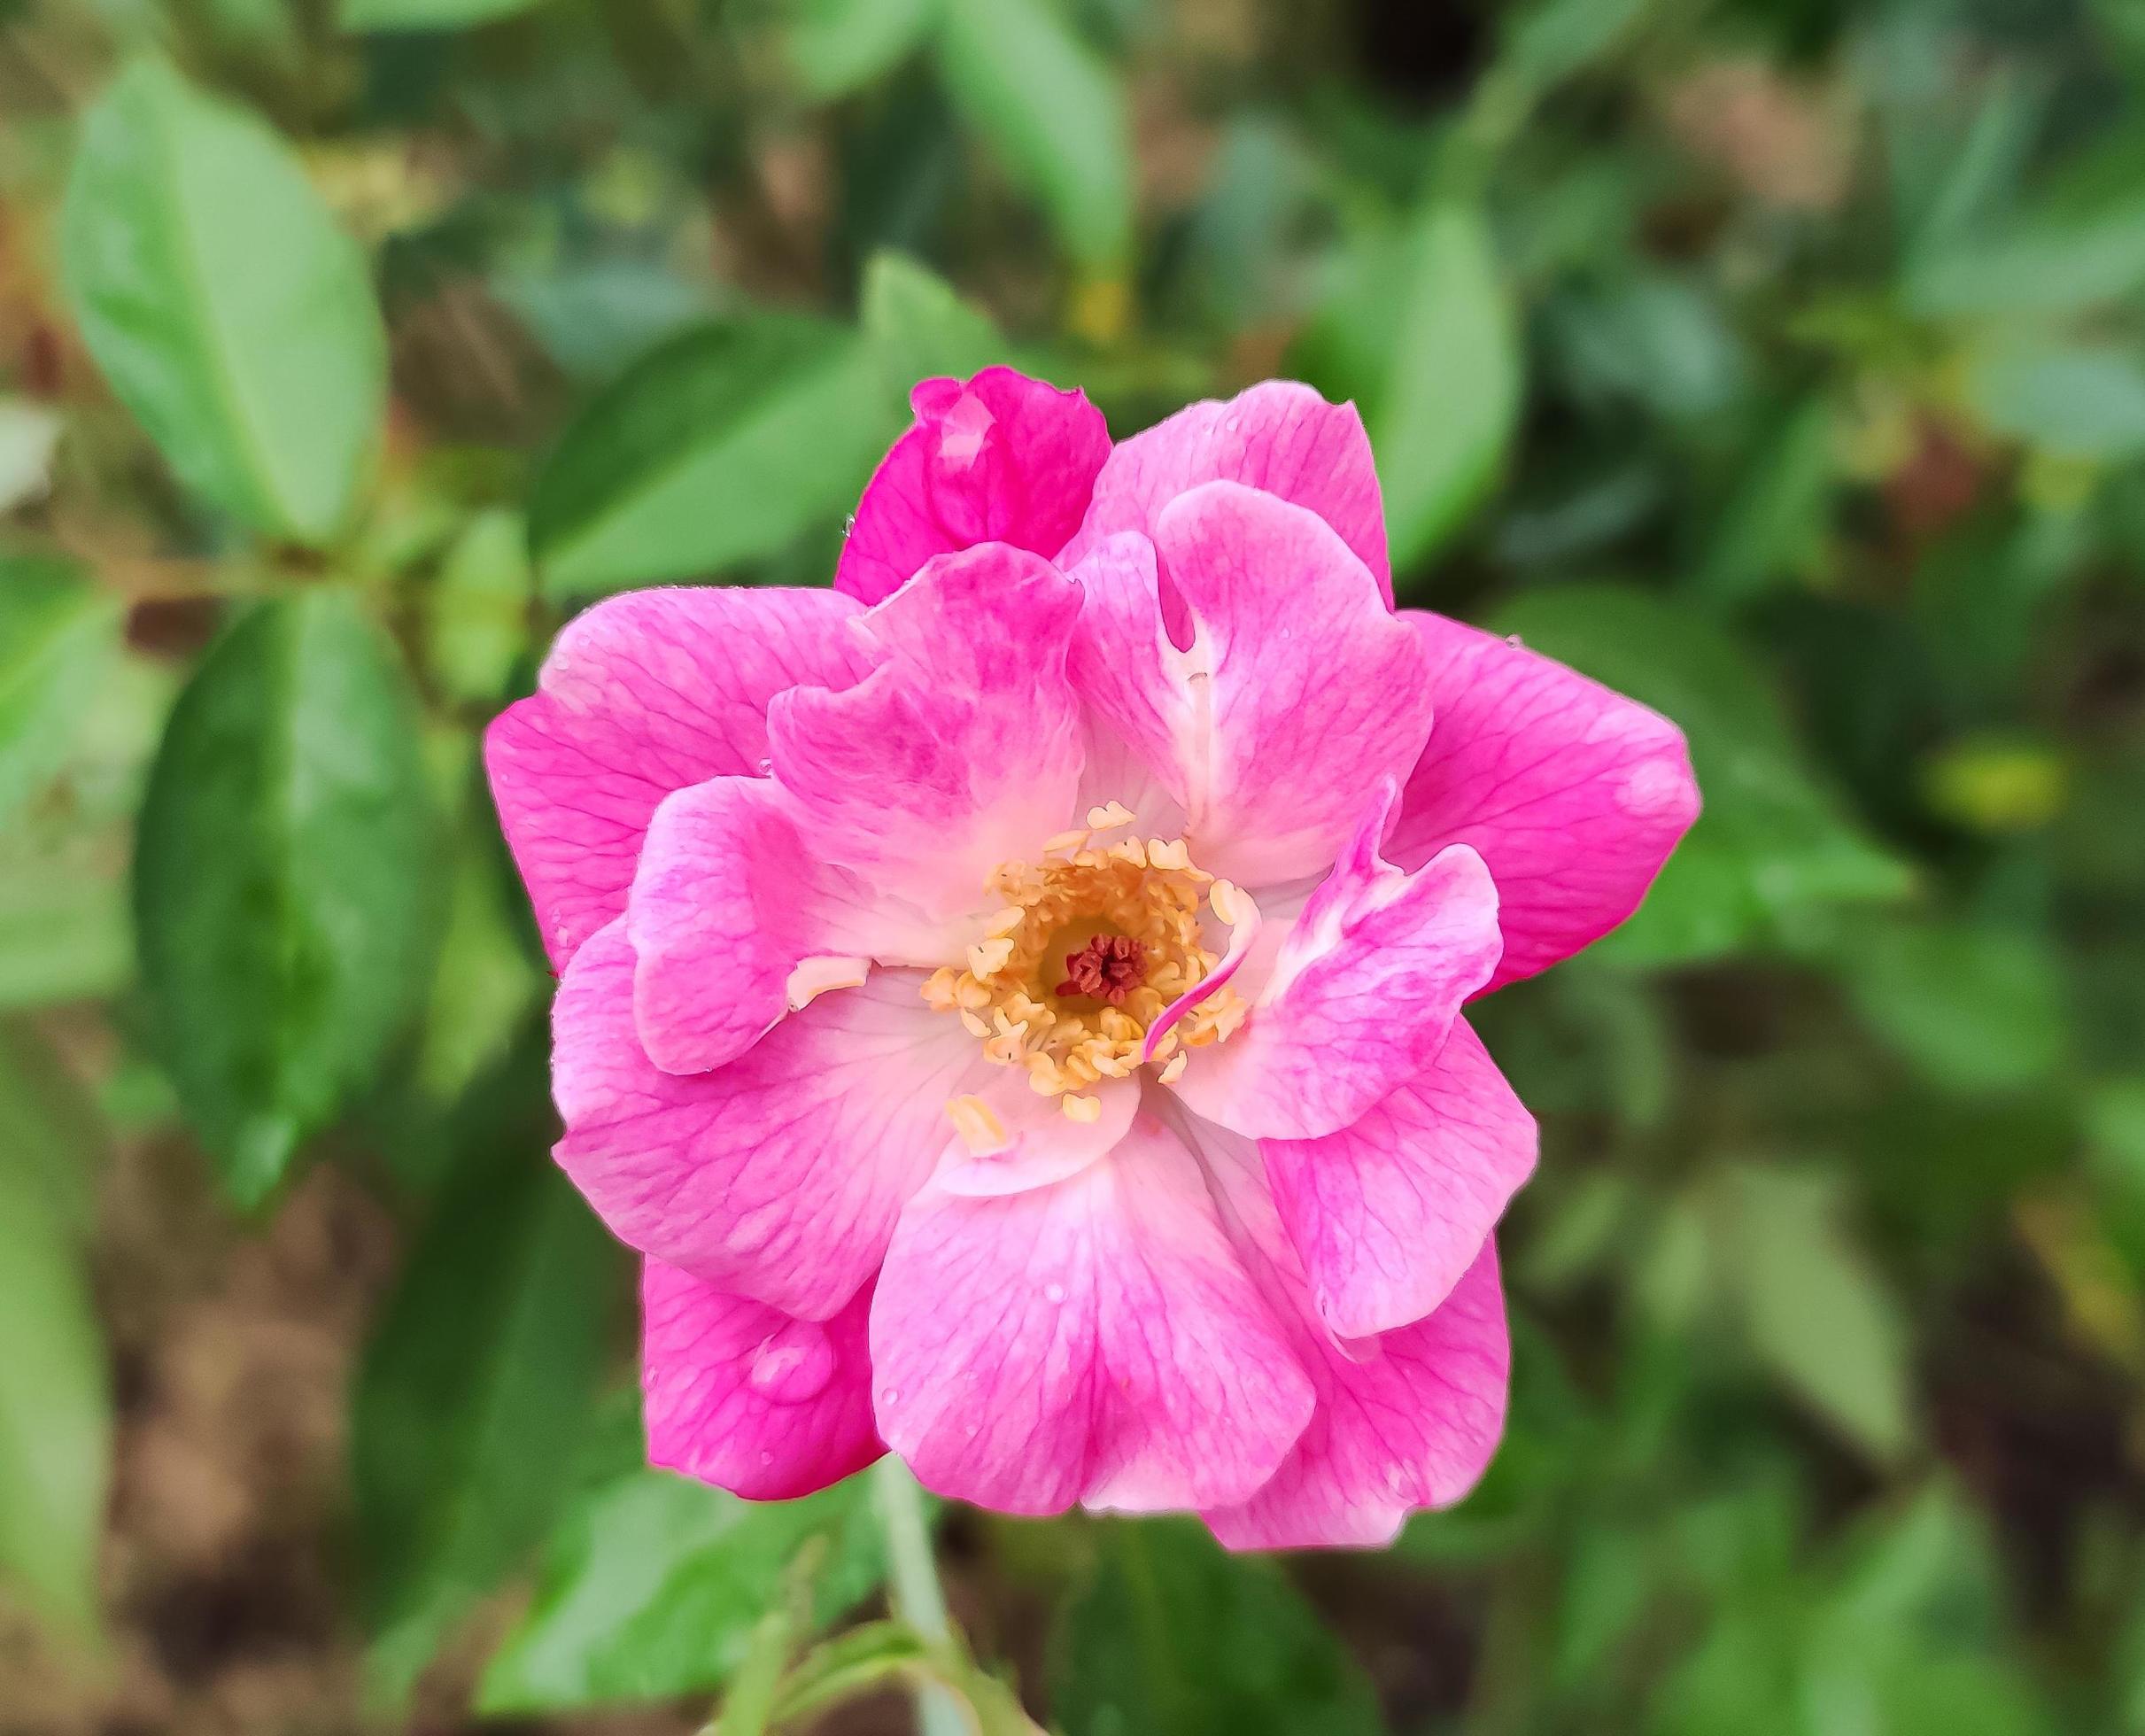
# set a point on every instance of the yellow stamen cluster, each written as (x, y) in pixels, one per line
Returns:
(1147, 890)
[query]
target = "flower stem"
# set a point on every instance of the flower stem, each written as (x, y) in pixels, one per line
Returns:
(917, 1597)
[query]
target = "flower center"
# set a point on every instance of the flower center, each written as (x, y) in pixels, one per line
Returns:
(1095, 942)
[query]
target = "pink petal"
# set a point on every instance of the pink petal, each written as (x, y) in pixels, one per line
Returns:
(1299, 692)
(1388, 1212)
(1574, 794)
(1000, 459)
(781, 1175)
(745, 1396)
(962, 750)
(1279, 436)
(1361, 995)
(734, 922)
(1405, 1420)
(1097, 1340)
(641, 696)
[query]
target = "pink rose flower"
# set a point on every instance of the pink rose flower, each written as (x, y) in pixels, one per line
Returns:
(1013, 1000)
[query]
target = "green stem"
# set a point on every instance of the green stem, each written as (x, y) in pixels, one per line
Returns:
(917, 1597)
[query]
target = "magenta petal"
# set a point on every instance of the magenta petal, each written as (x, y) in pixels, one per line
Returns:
(1299, 695)
(961, 750)
(1279, 436)
(1095, 1340)
(734, 922)
(1388, 1212)
(1573, 794)
(644, 694)
(751, 1399)
(781, 1175)
(1001, 459)
(1361, 997)
(1405, 1420)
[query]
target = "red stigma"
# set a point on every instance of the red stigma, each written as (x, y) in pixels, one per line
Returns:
(1108, 968)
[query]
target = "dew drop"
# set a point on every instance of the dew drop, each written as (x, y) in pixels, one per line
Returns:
(1053, 1293)
(795, 1363)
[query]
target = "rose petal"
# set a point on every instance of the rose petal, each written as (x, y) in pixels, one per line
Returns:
(1573, 794)
(743, 1396)
(1297, 695)
(781, 1175)
(1096, 1340)
(1000, 457)
(1387, 1213)
(641, 696)
(1279, 436)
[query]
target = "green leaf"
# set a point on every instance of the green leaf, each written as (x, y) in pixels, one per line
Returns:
(475, 1393)
(920, 327)
(1815, 1311)
(476, 609)
(1777, 518)
(284, 879)
(1772, 859)
(229, 313)
(1977, 1008)
(64, 931)
(2075, 402)
(653, 1586)
(2061, 259)
(1173, 1634)
(1055, 112)
(1419, 329)
(55, 1402)
(424, 14)
(721, 446)
(56, 636)
(837, 46)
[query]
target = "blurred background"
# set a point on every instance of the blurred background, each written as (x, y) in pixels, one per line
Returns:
(1781, 362)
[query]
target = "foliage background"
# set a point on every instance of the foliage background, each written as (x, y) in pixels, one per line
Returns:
(1780, 361)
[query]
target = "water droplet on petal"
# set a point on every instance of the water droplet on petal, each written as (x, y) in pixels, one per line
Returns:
(794, 1364)
(1053, 1294)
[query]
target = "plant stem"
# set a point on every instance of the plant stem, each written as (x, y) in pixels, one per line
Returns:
(917, 1597)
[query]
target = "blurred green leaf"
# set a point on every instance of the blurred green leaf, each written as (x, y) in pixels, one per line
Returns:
(423, 14)
(837, 46)
(1816, 1312)
(1976, 1008)
(476, 609)
(64, 931)
(229, 313)
(2073, 402)
(284, 884)
(54, 1405)
(476, 1392)
(720, 446)
(653, 1584)
(1173, 1634)
(919, 327)
(1779, 514)
(1418, 329)
(1771, 856)
(56, 635)
(2056, 260)
(1053, 110)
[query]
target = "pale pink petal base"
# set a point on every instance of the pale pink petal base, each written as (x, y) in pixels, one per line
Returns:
(1296, 695)
(749, 1398)
(1096, 1340)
